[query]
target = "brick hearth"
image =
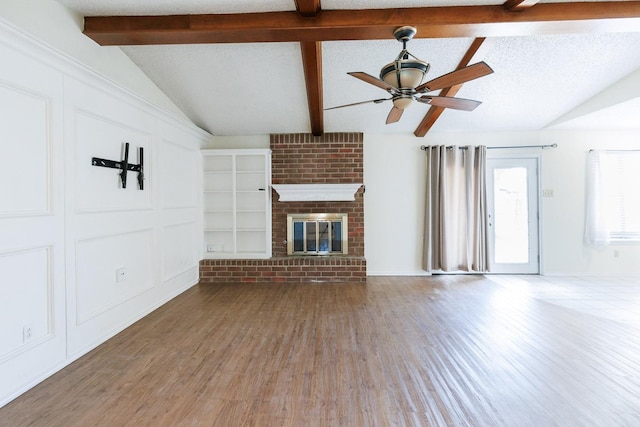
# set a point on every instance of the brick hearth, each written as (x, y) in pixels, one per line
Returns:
(335, 158)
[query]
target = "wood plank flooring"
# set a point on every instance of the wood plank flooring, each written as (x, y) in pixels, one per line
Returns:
(439, 351)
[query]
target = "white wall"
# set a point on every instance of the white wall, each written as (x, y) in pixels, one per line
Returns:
(563, 215)
(32, 270)
(238, 142)
(394, 179)
(394, 201)
(394, 175)
(66, 226)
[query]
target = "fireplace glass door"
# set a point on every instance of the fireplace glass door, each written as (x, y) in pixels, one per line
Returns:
(317, 234)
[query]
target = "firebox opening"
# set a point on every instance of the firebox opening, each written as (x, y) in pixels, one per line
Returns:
(317, 234)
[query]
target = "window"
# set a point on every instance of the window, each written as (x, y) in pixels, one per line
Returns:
(613, 196)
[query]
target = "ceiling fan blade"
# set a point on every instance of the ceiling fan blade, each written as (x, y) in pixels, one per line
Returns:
(375, 101)
(456, 77)
(394, 115)
(373, 80)
(449, 102)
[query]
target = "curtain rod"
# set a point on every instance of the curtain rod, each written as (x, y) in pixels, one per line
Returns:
(424, 147)
(593, 149)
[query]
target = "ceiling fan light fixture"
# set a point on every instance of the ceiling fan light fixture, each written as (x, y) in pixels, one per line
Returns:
(404, 73)
(407, 71)
(403, 101)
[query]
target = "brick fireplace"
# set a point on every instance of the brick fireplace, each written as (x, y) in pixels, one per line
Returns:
(333, 158)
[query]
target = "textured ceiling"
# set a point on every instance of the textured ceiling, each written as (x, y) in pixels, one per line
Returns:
(251, 89)
(173, 7)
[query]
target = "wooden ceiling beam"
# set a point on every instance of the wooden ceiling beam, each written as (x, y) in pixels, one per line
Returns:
(308, 8)
(518, 5)
(312, 65)
(474, 54)
(309, 27)
(370, 24)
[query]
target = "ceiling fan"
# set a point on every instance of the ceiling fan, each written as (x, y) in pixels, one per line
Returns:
(402, 78)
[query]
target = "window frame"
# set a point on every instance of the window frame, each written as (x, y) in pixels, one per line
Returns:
(609, 204)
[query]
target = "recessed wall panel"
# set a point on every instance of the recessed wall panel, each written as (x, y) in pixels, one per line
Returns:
(110, 270)
(99, 188)
(25, 298)
(24, 150)
(178, 169)
(180, 245)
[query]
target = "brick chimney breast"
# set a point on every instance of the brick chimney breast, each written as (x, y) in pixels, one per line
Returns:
(332, 158)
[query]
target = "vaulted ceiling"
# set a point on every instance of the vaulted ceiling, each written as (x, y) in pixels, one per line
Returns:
(241, 67)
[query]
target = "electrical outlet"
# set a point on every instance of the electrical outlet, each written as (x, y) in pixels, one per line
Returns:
(27, 333)
(211, 248)
(547, 193)
(121, 274)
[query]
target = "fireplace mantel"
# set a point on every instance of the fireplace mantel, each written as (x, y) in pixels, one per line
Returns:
(316, 192)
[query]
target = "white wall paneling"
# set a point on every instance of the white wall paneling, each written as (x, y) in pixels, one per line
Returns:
(101, 124)
(57, 32)
(27, 93)
(109, 227)
(98, 259)
(179, 253)
(26, 306)
(25, 138)
(114, 228)
(180, 196)
(67, 226)
(177, 161)
(32, 277)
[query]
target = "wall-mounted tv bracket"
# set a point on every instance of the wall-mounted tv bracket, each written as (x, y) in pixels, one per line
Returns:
(124, 166)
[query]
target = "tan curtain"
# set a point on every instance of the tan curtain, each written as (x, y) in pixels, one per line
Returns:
(455, 216)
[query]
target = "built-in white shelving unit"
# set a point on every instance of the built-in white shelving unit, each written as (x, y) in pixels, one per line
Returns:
(237, 203)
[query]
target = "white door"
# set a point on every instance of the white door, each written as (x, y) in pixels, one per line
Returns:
(512, 204)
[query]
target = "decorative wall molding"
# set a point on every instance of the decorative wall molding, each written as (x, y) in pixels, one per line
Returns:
(30, 169)
(184, 255)
(100, 127)
(85, 223)
(178, 190)
(40, 51)
(96, 261)
(38, 296)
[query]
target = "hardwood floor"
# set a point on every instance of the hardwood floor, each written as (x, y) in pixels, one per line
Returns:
(440, 351)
